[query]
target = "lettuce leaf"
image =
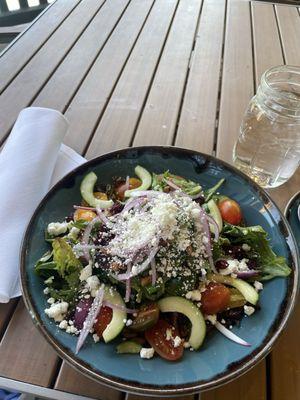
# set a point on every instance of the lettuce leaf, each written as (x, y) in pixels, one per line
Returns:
(270, 264)
(62, 264)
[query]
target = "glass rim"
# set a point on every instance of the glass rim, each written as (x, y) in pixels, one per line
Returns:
(280, 68)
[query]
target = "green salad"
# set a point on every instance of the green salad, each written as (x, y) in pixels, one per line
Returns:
(157, 261)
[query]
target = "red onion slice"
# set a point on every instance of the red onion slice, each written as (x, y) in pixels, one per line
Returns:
(147, 193)
(133, 203)
(126, 183)
(138, 269)
(196, 196)
(102, 216)
(247, 274)
(153, 269)
(86, 236)
(120, 307)
(128, 285)
(90, 319)
(230, 335)
(172, 185)
(215, 225)
(205, 224)
(84, 208)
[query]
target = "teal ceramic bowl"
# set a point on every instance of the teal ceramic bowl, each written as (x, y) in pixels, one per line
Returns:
(219, 360)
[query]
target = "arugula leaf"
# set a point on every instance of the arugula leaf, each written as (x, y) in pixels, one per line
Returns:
(189, 187)
(256, 237)
(209, 193)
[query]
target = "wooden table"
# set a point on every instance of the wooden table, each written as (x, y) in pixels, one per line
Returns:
(145, 72)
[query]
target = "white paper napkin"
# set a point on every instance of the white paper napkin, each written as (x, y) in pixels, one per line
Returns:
(32, 160)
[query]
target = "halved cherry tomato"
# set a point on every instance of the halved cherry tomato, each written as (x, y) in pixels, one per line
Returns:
(122, 187)
(230, 211)
(86, 215)
(103, 319)
(147, 316)
(215, 299)
(157, 338)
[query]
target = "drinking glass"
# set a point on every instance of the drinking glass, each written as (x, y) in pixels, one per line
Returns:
(268, 146)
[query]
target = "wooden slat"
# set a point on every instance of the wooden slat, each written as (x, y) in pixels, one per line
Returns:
(251, 386)
(237, 80)
(285, 358)
(267, 47)
(69, 380)
(160, 113)
(236, 91)
(196, 128)
(289, 25)
(6, 311)
(64, 82)
(91, 97)
(28, 44)
(118, 122)
(29, 81)
(24, 353)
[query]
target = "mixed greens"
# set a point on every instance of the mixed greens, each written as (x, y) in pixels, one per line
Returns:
(156, 260)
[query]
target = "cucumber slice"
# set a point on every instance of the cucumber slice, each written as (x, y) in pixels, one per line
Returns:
(129, 347)
(144, 176)
(193, 313)
(87, 192)
(248, 291)
(117, 323)
(215, 213)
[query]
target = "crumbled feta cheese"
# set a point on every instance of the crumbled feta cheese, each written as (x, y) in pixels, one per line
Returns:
(203, 271)
(63, 324)
(71, 329)
(96, 338)
(49, 280)
(223, 321)
(168, 334)
(87, 296)
(57, 311)
(93, 284)
(211, 318)
(258, 286)
(249, 310)
(235, 266)
(51, 300)
(46, 290)
(177, 341)
(193, 295)
(57, 228)
(246, 247)
(146, 353)
(129, 322)
(74, 232)
(186, 345)
(85, 273)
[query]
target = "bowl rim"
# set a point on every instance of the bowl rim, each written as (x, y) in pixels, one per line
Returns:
(151, 389)
(290, 204)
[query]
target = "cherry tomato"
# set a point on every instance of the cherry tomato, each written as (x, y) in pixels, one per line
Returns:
(100, 195)
(230, 211)
(86, 215)
(147, 316)
(157, 338)
(122, 187)
(103, 319)
(215, 298)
